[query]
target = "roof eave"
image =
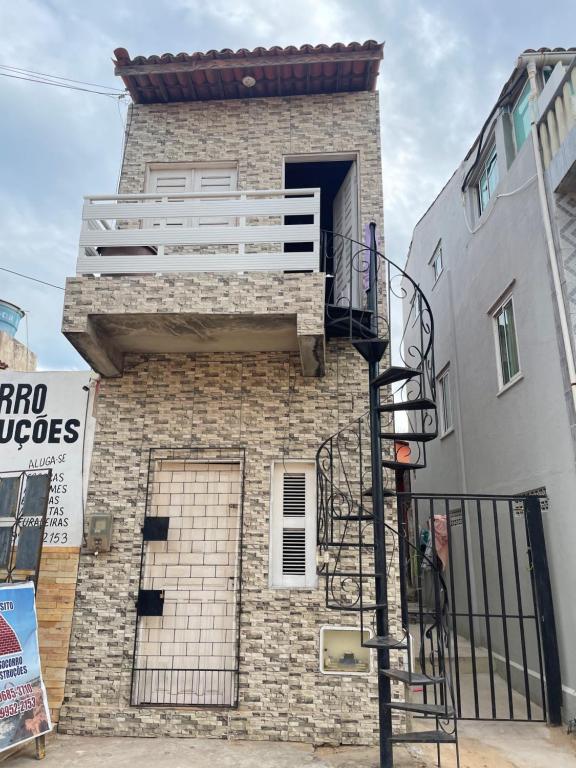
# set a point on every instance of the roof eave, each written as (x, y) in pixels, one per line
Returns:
(215, 65)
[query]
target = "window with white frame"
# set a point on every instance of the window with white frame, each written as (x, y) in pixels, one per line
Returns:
(445, 401)
(521, 117)
(506, 342)
(488, 178)
(436, 261)
(293, 525)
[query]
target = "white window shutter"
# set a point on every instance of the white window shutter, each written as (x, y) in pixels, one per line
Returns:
(293, 525)
(170, 183)
(215, 180)
(185, 179)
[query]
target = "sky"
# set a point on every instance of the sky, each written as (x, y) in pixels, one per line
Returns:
(445, 62)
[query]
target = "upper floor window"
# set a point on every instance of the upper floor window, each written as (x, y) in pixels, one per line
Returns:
(488, 178)
(546, 72)
(521, 117)
(293, 525)
(436, 261)
(445, 402)
(173, 179)
(507, 343)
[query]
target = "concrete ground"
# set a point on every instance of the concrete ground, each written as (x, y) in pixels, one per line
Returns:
(482, 745)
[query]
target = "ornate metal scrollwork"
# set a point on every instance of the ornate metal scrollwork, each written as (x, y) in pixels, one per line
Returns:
(345, 525)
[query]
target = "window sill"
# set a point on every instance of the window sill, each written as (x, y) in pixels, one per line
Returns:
(305, 588)
(447, 433)
(435, 283)
(345, 673)
(518, 377)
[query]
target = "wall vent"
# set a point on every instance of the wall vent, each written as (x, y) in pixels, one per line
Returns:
(294, 551)
(294, 494)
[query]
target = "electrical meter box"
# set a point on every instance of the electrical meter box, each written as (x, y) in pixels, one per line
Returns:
(99, 536)
(342, 652)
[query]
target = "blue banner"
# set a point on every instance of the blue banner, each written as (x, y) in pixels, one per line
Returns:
(24, 712)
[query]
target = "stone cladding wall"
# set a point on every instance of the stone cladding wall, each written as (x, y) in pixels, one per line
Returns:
(54, 606)
(255, 135)
(259, 401)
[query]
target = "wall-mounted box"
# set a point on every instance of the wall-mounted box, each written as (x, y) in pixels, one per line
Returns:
(342, 653)
(99, 535)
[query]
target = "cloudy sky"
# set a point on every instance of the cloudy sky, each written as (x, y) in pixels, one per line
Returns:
(445, 62)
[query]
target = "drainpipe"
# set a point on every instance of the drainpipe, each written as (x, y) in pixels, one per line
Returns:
(552, 256)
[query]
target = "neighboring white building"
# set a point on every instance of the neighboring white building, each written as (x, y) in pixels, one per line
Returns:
(496, 256)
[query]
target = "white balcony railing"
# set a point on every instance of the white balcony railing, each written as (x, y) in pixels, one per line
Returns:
(220, 231)
(559, 117)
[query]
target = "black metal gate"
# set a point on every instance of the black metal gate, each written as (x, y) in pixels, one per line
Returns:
(187, 638)
(503, 642)
(24, 499)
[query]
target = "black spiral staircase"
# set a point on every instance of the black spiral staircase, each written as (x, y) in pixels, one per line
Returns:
(371, 565)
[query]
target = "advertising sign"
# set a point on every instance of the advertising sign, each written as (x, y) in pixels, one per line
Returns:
(24, 712)
(46, 422)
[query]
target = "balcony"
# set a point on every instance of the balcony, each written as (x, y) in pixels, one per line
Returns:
(218, 272)
(220, 231)
(557, 132)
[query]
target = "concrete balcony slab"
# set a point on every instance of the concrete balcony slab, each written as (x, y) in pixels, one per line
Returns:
(107, 317)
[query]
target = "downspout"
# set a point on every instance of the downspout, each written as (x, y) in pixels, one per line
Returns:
(551, 247)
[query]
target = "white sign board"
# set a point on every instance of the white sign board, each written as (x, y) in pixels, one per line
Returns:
(24, 711)
(46, 422)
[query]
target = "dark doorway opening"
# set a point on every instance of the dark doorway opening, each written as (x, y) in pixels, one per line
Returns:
(337, 181)
(328, 176)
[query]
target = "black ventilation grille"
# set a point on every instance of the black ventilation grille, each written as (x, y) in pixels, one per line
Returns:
(155, 528)
(150, 602)
(294, 551)
(294, 494)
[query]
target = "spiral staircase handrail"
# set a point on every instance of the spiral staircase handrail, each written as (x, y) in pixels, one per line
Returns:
(340, 460)
(415, 285)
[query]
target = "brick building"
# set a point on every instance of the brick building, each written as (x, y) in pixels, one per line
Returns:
(200, 297)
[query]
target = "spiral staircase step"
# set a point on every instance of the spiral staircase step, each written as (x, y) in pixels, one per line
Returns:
(389, 464)
(424, 737)
(386, 492)
(417, 437)
(393, 374)
(372, 350)
(419, 404)
(438, 710)
(358, 608)
(385, 641)
(412, 678)
(346, 322)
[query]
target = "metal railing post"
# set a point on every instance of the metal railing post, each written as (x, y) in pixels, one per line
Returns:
(382, 623)
(545, 605)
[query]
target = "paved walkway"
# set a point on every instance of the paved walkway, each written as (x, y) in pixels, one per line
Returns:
(483, 745)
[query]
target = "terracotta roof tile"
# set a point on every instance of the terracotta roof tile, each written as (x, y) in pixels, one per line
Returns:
(288, 71)
(550, 50)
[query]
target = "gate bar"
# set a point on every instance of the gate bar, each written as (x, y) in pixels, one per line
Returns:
(545, 604)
